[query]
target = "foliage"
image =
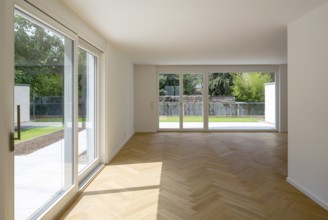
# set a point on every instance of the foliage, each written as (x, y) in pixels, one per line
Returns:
(249, 87)
(39, 58)
(191, 83)
(167, 80)
(219, 84)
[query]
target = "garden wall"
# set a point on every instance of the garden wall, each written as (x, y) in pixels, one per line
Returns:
(193, 105)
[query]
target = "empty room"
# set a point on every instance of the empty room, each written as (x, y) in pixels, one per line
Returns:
(171, 110)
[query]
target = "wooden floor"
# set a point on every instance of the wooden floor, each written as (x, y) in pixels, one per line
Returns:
(189, 176)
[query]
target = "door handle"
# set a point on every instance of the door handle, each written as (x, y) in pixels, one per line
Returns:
(12, 134)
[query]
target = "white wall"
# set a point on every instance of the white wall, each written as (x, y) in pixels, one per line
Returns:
(6, 109)
(120, 88)
(22, 98)
(283, 96)
(145, 96)
(308, 104)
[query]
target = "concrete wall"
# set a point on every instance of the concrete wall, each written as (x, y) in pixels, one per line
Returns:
(270, 102)
(307, 80)
(22, 98)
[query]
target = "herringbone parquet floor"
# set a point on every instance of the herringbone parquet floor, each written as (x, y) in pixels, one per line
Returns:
(191, 176)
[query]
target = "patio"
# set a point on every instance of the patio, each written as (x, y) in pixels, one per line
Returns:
(39, 176)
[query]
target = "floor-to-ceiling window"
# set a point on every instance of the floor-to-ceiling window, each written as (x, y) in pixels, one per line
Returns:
(87, 111)
(44, 157)
(169, 101)
(56, 114)
(241, 100)
(218, 101)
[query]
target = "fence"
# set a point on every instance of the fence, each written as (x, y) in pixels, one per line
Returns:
(193, 105)
(48, 106)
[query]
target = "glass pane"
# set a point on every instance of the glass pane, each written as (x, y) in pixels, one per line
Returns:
(44, 91)
(169, 101)
(241, 100)
(193, 101)
(86, 125)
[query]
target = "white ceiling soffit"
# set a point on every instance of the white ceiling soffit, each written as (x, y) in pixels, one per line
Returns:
(196, 31)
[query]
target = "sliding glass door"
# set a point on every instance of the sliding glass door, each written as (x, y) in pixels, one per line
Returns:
(193, 101)
(43, 99)
(169, 101)
(217, 101)
(87, 145)
(181, 101)
(239, 101)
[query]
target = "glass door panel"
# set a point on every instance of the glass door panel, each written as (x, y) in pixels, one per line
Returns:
(193, 101)
(169, 101)
(87, 151)
(241, 101)
(44, 92)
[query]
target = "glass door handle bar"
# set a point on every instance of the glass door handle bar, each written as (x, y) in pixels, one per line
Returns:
(12, 134)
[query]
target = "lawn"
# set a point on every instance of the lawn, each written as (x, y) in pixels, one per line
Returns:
(56, 119)
(210, 119)
(36, 132)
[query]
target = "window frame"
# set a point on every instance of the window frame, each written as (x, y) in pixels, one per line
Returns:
(53, 210)
(93, 165)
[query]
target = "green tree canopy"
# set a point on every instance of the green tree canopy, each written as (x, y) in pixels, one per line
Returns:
(249, 87)
(191, 82)
(219, 84)
(39, 58)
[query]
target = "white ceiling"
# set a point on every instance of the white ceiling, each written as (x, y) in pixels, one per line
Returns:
(196, 31)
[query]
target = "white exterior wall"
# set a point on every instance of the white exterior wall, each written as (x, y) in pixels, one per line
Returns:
(307, 81)
(270, 102)
(22, 98)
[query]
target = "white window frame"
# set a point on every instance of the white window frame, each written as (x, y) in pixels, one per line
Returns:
(51, 210)
(93, 165)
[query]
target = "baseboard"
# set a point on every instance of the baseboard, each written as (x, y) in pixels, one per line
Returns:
(308, 193)
(111, 157)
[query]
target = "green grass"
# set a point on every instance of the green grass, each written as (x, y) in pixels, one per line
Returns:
(57, 119)
(210, 119)
(36, 132)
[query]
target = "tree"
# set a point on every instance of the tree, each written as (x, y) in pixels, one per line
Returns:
(219, 84)
(191, 82)
(39, 58)
(249, 87)
(167, 80)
